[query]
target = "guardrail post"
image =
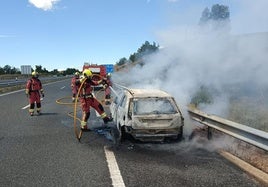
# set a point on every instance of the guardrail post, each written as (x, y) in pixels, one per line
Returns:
(209, 133)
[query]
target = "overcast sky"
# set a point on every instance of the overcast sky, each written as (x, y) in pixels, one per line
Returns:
(60, 34)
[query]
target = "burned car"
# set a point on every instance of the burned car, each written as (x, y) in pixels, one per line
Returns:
(147, 115)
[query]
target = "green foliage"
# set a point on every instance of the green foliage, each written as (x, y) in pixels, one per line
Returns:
(217, 17)
(249, 111)
(39, 69)
(122, 61)
(202, 96)
(220, 12)
(145, 49)
(12, 70)
(7, 69)
(70, 71)
(205, 16)
(133, 57)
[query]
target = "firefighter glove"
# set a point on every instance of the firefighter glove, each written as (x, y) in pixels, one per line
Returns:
(83, 79)
(105, 86)
(104, 81)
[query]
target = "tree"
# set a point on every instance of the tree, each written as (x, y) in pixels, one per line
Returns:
(2, 71)
(216, 18)
(145, 49)
(70, 71)
(205, 16)
(7, 69)
(122, 61)
(202, 96)
(55, 72)
(133, 57)
(39, 69)
(220, 12)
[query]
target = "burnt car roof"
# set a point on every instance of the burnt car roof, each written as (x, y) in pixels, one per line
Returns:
(148, 93)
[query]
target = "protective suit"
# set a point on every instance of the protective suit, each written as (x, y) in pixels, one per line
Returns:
(74, 86)
(33, 91)
(87, 100)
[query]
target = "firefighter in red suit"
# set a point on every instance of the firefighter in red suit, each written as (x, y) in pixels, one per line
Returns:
(107, 88)
(87, 100)
(74, 86)
(34, 90)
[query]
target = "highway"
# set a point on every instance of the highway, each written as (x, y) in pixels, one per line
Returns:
(43, 151)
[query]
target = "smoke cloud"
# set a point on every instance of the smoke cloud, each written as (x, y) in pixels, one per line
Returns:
(231, 65)
(193, 59)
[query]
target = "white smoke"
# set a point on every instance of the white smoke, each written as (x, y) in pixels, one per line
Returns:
(44, 4)
(218, 61)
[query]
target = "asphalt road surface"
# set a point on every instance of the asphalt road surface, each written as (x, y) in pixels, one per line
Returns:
(43, 151)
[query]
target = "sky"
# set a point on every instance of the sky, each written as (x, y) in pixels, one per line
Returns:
(60, 34)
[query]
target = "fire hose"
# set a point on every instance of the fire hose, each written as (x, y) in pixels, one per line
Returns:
(78, 134)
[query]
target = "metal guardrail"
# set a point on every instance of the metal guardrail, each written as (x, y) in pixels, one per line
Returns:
(7, 83)
(247, 134)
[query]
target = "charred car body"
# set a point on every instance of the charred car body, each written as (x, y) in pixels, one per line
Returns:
(147, 115)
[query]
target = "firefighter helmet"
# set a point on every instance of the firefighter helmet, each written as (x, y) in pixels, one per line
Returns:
(87, 73)
(34, 74)
(76, 73)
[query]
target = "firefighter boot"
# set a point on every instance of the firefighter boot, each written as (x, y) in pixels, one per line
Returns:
(106, 119)
(31, 112)
(84, 126)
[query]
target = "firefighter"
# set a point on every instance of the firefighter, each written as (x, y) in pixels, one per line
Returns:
(74, 86)
(87, 100)
(107, 89)
(33, 91)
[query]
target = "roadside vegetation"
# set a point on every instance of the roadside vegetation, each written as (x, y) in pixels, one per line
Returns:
(8, 72)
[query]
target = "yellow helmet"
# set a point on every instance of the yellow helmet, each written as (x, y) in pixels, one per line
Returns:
(35, 74)
(76, 73)
(87, 73)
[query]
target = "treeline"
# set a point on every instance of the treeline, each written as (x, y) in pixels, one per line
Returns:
(8, 70)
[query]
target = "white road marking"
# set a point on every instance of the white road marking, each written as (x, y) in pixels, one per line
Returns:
(11, 93)
(27, 106)
(62, 87)
(115, 174)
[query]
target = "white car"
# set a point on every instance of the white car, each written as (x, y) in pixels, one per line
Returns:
(147, 115)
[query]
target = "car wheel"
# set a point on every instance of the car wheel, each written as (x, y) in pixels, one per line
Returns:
(180, 135)
(122, 133)
(116, 136)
